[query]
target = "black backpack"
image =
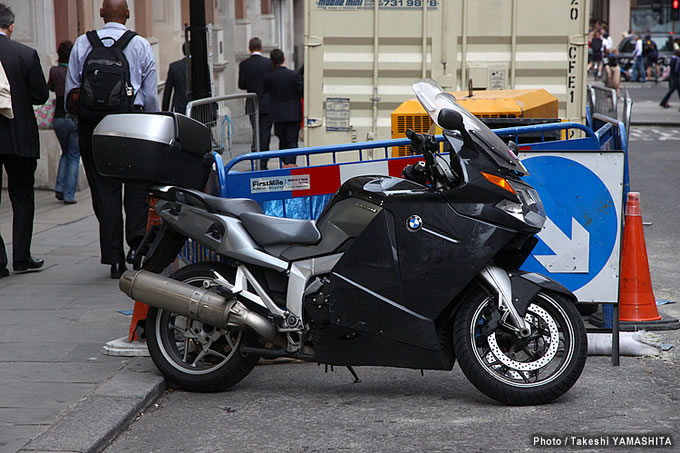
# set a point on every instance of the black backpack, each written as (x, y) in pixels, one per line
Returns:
(649, 47)
(105, 87)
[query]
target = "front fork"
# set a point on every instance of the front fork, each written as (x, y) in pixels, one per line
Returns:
(499, 280)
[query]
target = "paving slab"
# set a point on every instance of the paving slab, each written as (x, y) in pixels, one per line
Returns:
(53, 325)
(72, 372)
(12, 437)
(31, 352)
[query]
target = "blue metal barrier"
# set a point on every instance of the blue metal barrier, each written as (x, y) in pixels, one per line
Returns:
(326, 149)
(590, 142)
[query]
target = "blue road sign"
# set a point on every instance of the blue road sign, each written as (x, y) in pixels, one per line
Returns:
(578, 245)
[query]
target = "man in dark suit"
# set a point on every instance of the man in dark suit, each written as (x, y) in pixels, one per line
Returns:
(19, 141)
(250, 74)
(177, 81)
(284, 88)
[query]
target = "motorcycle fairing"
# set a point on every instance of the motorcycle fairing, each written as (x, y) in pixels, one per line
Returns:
(394, 281)
(342, 221)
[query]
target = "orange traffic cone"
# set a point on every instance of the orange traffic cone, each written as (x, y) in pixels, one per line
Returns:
(636, 296)
(637, 305)
(131, 345)
(140, 310)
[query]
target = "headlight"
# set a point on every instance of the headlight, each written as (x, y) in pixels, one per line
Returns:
(529, 210)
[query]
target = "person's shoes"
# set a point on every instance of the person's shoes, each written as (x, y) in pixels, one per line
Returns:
(117, 270)
(31, 264)
(666, 105)
(59, 195)
(70, 202)
(4, 272)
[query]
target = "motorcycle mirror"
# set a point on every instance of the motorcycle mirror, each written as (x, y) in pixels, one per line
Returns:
(450, 119)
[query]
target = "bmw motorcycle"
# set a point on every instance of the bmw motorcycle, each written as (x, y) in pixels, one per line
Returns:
(410, 272)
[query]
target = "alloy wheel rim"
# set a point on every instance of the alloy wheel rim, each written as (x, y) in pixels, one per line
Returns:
(543, 358)
(192, 346)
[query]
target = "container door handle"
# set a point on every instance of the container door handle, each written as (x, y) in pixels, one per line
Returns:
(313, 41)
(577, 40)
(314, 122)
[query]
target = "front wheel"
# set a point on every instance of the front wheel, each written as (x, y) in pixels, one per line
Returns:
(533, 370)
(191, 354)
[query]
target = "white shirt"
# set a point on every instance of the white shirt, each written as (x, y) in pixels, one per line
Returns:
(638, 48)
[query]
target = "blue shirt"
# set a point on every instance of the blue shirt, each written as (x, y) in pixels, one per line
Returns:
(139, 56)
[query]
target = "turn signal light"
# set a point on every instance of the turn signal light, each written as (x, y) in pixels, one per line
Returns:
(500, 182)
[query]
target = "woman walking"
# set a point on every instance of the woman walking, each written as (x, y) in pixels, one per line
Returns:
(66, 130)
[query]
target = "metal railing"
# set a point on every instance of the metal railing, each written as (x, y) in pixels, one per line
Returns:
(604, 101)
(627, 114)
(234, 121)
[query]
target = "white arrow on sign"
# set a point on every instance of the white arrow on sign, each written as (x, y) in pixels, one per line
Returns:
(571, 254)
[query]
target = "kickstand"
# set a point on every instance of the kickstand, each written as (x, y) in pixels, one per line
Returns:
(354, 374)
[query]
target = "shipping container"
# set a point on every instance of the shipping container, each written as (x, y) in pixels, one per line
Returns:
(361, 57)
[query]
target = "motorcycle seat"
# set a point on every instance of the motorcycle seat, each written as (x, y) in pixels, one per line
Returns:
(234, 206)
(270, 230)
(229, 206)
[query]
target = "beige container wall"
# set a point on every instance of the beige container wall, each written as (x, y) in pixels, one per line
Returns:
(498, 44)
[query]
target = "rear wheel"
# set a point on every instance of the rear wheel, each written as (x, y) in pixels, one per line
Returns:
(193, 355)
(534, 370)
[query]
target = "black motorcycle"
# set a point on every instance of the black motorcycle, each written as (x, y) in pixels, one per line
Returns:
(407, 272)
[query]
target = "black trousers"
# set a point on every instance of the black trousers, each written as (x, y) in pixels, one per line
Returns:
(20, 179)
(265, 135)
(287, 132)
(108, 202)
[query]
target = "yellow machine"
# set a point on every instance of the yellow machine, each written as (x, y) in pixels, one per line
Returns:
(502, 107)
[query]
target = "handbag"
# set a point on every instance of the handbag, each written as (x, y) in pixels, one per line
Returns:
(44, 114)
(666, 73)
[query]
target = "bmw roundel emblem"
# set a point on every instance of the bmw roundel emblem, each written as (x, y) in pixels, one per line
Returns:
(414, 223)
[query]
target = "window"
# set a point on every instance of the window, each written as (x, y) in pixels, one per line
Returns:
(241, 9)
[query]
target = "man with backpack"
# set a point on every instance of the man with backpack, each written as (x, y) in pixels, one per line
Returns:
(651, 53)
(111, 70)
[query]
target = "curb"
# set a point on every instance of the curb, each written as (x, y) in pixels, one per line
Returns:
(95, 421)
(656, 123)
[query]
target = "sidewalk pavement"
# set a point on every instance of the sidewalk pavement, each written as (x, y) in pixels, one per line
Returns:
(650, 113)
(647, 110)
(59, 392)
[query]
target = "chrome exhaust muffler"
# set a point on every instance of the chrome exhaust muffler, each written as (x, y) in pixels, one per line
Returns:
(193, 302)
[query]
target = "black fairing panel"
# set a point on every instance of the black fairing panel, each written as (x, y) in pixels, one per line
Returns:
(366, 292)
(343, 220)
(341, 346)
(396, 282)
(428, 256)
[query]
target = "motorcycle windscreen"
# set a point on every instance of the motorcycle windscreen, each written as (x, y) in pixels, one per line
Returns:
(435, 100)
